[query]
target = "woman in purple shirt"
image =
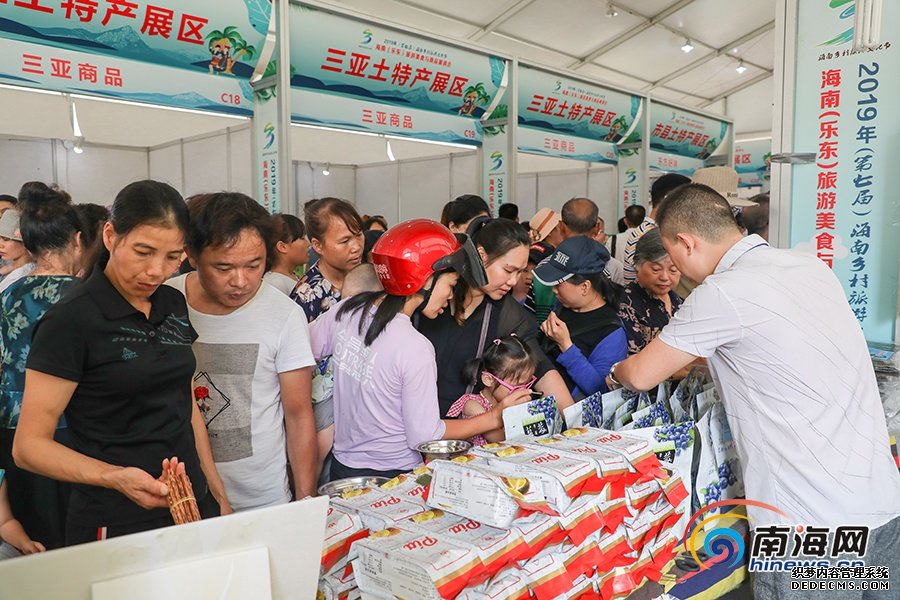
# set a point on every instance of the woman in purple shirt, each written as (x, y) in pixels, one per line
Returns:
(385, 374)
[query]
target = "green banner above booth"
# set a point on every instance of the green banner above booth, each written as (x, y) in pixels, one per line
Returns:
(567, 107)
(752, 161)
(212, 36)
(676, 131)
(50, 68)
(664, 162)
(375, 78)
(844, 208)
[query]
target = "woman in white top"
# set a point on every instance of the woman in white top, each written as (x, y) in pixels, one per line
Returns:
(291, 251)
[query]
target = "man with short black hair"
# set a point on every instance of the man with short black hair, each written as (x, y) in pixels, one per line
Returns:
(634, 215)
(658, 191)
(756, 218)
(254, 360)
(510, 211)
(794, 372)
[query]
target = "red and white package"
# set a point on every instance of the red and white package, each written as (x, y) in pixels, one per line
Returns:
(655, 556)
(378, 508)
(342, 528)
(470, 488)
(614, 550)
(497, 548)
(582, 519)
(405, 564)
(641, 494)
(509, 584)
(657, 516)
(582, 589)
(563, 476)
(547, 575)
(539, 530)
(615, 584)
(581, 560)
(610, 464)
(338, 586)
(410, 486)
(639, 452)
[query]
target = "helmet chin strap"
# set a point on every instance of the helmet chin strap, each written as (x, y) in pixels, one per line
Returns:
(427, 294)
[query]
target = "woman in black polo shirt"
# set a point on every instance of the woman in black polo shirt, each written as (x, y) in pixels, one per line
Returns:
(115, 355)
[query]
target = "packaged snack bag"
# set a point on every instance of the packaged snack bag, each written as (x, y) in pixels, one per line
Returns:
(610, 465)
(417, 565)
(585, 413)
(410, 486)
(614, 550)
(471, 488)
(582, 519)
(581, 560)
(656, 517)
(342, 527)
(539, 530)
(547, 575)
(497, 548)
(538, 418)
(509, 584)
(638, 451)
(582, 589)
(337, 586)
(562, 476)
(728, 465)
(378, 508)
(615, 584)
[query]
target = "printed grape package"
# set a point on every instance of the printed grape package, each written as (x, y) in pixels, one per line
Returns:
(562, 476)
(468, 487)
(407, 564)
(538, 418)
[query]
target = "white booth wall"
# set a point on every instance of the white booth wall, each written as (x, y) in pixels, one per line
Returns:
(95, 176)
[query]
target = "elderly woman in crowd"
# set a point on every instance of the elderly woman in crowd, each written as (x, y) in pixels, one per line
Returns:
(649, 302)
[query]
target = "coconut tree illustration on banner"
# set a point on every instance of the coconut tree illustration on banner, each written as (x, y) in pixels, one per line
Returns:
(266, 94)
(225, 47)
(501, 112)
(472, 97)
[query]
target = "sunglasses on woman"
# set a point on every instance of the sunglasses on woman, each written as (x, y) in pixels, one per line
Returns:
(512, 388)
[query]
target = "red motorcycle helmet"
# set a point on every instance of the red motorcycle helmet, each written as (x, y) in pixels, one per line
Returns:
(411, 252)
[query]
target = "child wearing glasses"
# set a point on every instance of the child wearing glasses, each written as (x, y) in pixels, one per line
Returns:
(506, 366)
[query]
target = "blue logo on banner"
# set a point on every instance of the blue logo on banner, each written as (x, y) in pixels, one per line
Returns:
(269, 130)
(497, 157)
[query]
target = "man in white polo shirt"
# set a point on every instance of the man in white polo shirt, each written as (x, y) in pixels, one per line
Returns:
(794, 370)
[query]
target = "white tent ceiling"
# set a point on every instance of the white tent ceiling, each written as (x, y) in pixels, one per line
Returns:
(639, 49)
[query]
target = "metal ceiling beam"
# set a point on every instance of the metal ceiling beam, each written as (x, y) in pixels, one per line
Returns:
(518, 40)
(719, 52)
(630, 33)
(744, 85)
(500, 19)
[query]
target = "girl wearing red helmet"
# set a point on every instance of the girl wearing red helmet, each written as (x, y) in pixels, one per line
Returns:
(385, 373)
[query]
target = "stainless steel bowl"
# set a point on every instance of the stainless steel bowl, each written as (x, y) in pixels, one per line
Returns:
(443, 449)
(337, 487)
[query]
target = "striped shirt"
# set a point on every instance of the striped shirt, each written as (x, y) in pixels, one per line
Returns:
(631, 239)
(797, 385)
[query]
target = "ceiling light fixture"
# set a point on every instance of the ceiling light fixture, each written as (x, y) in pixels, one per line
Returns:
(327, 170)
(611, 11)
(741, 68)
(688, 46)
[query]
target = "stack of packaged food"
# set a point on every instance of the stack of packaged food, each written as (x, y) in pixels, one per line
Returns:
(588, 513)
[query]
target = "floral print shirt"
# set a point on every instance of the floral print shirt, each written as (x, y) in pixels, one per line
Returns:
(643, 315)
(315, 294)
(21, 306)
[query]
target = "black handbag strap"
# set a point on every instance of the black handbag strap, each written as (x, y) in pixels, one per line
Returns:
(485, 323)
